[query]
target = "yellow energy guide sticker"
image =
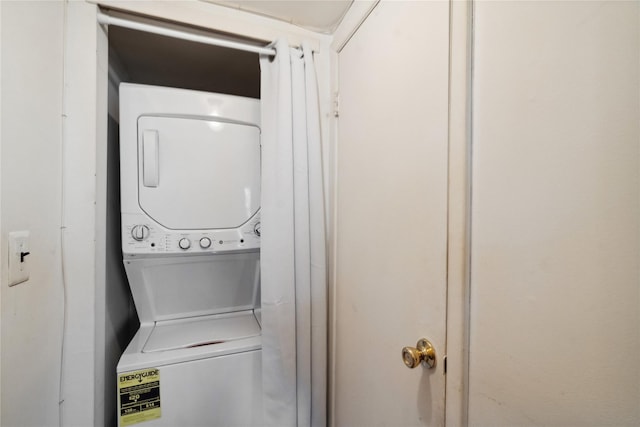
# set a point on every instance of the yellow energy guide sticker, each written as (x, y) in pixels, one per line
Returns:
(139, 396)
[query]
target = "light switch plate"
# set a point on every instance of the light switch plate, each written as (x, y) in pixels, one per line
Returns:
(19, 257)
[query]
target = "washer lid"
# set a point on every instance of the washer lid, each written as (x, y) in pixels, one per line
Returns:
(197, 173)
(201, 331)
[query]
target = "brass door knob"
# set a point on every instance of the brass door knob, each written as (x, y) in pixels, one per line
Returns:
(423, 353)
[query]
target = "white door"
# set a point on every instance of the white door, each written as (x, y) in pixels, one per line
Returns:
(176, 152)
(391, 216)
(555, 292)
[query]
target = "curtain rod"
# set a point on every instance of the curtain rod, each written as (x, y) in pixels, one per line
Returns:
(119, 22)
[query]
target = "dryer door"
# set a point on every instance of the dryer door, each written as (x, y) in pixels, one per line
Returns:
(198, 173)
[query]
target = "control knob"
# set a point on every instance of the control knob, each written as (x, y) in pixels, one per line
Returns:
(184, 243)
(205, 242)
(256, 229)
(139, 232)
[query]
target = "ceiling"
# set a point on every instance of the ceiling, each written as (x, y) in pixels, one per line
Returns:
(317, 15)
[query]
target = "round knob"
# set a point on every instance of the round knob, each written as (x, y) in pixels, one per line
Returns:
(256, 229)
(423, 353)
(205, 242)
(139, 232)
(184, 243)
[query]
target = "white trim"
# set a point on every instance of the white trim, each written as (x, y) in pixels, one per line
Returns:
(101, 110)
(81, 140)
(351, 22)
(459, 228)
(183, 35)
(219, 18)
(355, 16)
(2, 263)
(331, 169)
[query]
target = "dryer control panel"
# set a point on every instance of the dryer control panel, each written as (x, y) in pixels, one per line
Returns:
(141, 236)
(189, 171)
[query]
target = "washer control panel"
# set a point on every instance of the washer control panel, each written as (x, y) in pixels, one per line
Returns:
(140, 236)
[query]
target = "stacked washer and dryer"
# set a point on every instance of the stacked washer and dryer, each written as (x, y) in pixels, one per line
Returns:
(190, 195)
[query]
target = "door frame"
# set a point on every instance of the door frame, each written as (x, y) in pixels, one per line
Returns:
(84, 142)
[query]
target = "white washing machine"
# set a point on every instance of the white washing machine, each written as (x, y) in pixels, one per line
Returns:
(190, 183)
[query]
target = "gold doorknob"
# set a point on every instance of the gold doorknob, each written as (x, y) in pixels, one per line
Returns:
(422, 352)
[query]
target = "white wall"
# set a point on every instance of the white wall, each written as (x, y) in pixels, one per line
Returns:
(555, 303)
(31, 134)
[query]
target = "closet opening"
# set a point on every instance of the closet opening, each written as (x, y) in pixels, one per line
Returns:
(151, 59)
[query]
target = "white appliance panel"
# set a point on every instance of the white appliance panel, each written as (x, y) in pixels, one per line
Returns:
(202, 331)
(190, 194)
(187, 286)
(198, 173)
(215, 391)
(169, 137)
(158, 241)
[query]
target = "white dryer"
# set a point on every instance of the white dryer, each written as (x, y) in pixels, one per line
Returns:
(190, 194)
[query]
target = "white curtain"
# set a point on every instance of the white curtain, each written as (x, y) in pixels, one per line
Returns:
(293, 257)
